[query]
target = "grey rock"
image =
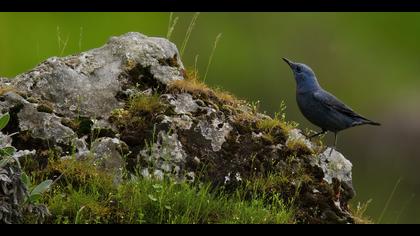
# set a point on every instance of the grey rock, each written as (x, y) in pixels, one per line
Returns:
(182, 122)
(295, 135)
(334, 166)
(166, 155)
(216, 131)
(86, 84)
(183, 103)
(107, 153)
(44, 126)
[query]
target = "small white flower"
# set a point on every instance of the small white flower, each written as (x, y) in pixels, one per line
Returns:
(227, 178)
(191, 176)
(238, 176)
(145, 173)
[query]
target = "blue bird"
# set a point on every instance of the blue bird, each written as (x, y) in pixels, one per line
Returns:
(321, 107)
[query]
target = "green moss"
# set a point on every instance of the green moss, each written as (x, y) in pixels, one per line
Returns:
(141, 104)
(81, 125)
(274, 130)
(298, 147)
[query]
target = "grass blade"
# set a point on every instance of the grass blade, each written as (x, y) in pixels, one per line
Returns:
(211, 54)
(404, 207)
(171, 25)
(389, 200)
(195, 63)
(189, 30)
(80, 38)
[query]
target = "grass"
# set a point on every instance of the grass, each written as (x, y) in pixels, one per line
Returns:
(86, 195)
(141, 104)
(189, 30)
(211, 54)
(272, 127)
(384, 210)
(171, 25)
(358, 213)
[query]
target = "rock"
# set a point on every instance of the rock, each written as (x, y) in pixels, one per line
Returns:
(108, 156)
(166, 156)
(334, 165)
(131, 106)
(183, 103)
(296, 136)
(216, 131)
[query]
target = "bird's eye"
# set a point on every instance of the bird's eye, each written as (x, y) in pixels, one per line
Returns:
(298, 69)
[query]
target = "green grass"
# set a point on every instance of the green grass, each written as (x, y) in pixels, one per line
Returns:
(86, 195)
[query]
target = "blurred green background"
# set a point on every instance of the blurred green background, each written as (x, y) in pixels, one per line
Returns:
(371, 61)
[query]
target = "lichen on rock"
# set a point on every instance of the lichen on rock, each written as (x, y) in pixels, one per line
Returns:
(216, 131)
(166, 156)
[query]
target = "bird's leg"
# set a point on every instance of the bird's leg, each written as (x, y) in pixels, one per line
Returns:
(335, 142)
(317, 134)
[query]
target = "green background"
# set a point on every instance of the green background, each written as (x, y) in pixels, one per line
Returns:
(371, 61)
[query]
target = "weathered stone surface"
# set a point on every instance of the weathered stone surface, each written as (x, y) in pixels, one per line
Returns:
(83, 103)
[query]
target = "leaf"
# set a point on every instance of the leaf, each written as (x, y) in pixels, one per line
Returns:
(42, 187)
(7, 151)
(157, 186)
(152, 198)
(4, 119)
(34, 197)
(26, 180)
(78, 219)
(4, 162)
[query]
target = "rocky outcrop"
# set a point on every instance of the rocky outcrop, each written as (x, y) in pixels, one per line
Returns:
(132, 105)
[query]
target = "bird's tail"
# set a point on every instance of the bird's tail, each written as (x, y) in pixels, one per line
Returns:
(369, 122)
(364, 121)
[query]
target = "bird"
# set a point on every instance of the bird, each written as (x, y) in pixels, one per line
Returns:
(320, 107)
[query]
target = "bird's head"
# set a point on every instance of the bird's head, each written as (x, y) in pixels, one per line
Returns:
(304, 75)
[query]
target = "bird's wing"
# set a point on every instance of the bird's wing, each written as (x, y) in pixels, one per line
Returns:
(330, 101)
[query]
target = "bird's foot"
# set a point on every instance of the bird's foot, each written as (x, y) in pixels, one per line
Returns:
(310, 136)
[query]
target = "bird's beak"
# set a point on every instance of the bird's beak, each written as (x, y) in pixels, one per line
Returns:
(289, 62)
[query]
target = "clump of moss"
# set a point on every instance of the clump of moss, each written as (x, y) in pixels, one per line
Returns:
(81, 125)
(5, 89)
(298, 147)
(273, 129)
(192, 84)
(141, 104)
(138, 112)
(136, 120)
